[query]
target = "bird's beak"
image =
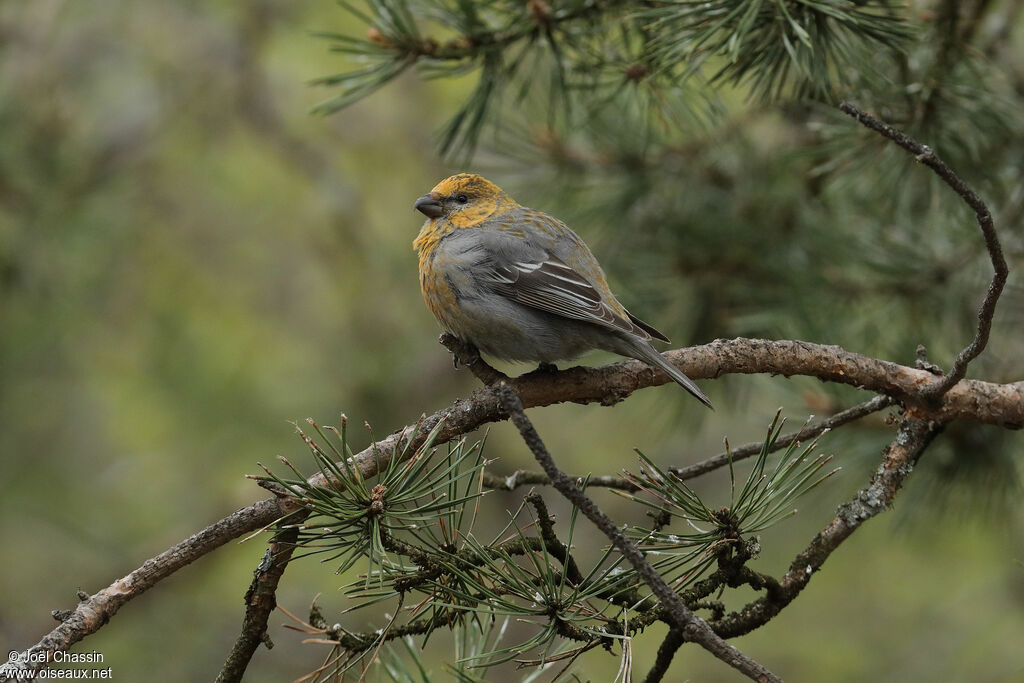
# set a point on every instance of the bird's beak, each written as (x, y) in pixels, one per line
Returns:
(429, 205)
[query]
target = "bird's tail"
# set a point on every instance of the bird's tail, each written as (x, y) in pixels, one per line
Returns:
(650, 355)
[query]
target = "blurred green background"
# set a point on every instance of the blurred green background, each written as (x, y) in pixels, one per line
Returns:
(189, 261)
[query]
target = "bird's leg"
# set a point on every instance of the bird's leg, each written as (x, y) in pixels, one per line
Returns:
(462, 352)
(465, 353)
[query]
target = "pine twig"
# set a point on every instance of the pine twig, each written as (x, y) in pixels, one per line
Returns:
(666, 652)
(914, 436)
(929, 158)
(528, 478)
(808, 432)
(691, 626)
(552, 545)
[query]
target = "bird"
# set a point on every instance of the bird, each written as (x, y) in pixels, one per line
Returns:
(520, 285)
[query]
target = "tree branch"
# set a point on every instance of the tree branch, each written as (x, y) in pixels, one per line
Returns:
(666, 652)
(96, 610)
(553, 546)
(691, 626)
(974, 400)
(929, 158)
(260, 601)
(528, 478)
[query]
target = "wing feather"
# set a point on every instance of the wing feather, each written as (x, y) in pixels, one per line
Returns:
(549, 284)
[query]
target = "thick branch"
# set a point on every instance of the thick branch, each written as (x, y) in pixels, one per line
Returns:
(985, 402)
(1000, 404)
(692, 627)
(929, 158)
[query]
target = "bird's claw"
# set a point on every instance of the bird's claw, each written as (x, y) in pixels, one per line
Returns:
(462, 352)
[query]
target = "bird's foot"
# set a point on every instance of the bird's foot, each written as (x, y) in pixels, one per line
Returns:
(465, 353)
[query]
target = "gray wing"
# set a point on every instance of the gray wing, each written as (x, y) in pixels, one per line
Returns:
(548, 284)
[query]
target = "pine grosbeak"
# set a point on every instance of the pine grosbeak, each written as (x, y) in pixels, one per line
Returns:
(520, 285)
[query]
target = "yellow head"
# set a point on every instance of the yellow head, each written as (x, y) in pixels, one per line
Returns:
(464, 200)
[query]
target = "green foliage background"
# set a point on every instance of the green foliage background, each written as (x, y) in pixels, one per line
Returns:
(189, 260)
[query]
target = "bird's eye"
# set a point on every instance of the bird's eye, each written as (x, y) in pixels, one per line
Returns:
(461, 198)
